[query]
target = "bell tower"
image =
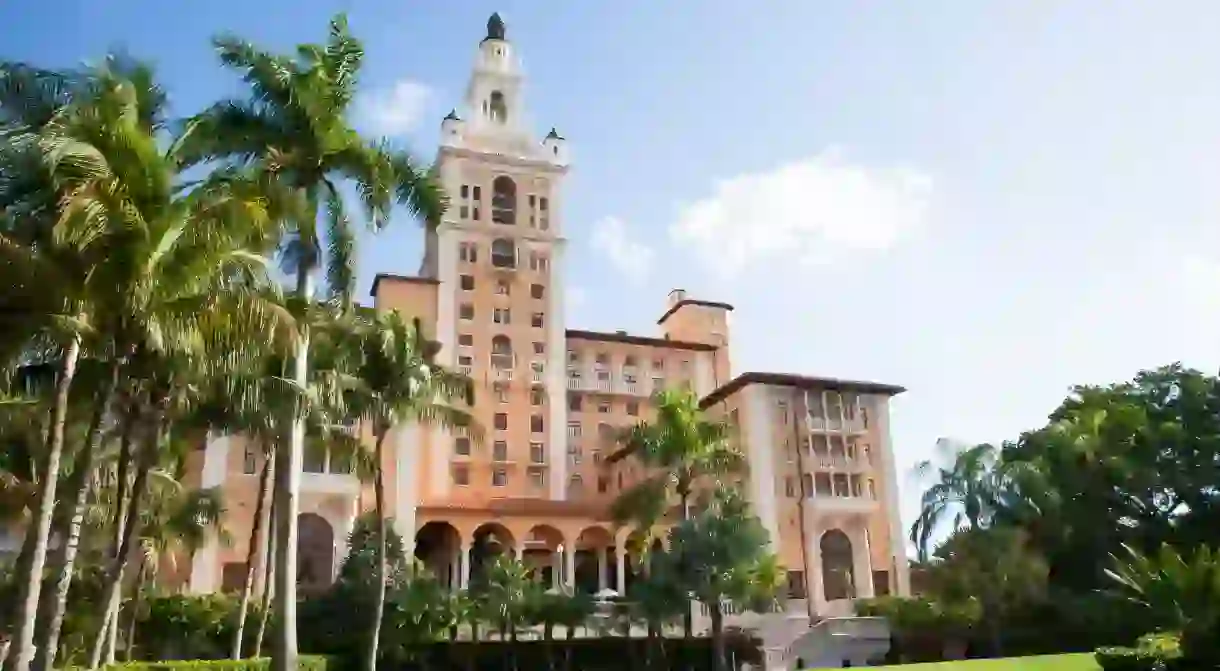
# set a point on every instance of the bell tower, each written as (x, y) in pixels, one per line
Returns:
(498, 258)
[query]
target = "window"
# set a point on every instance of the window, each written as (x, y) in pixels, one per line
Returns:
(464, 212)
(603, 484)
(542, 203)
(573, 357)
(602, 359)
(461, 475)
(537, 291)
(539, 348)
(497, 108)
(629, 361)
(536, 425)
(633, 408)
(872, 488)
(574, 429)
(538, 262)
(537, 397)
(466, 311)
(603, 407)
(249, 463)
(501, 316)
(501, 421)
(465, 361)
(658, 364)
(597, 456)
(501, 392)
(478, 194)
(465, 340)
(466, 282)
(537, 478)
(476, 214)
(468, 252)
(790, 487)
(575, 454)
(537, 455)
(499, 450)
(502, 288)
(461, 446)
(499, 477)
(503, 253)
(536, 320)
(574, 403)
(575, 485)
(465, 190)
(504, 201)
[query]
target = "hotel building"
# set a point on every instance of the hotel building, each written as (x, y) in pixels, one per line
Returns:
(490, 291)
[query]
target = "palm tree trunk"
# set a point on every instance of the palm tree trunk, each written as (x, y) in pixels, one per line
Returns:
(82, 479)
(251, 555)
(688, 617)
(288, 484)
(268, 576)
(112, 583)
(141, 577)
(20, 567)
(718, 658)
(23, 637)
(382, 563)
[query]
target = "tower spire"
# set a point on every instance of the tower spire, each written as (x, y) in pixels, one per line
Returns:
(495, 28)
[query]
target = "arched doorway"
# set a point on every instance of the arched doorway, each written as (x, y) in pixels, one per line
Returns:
(437, 545)
(838, 580)
(490, 541)
(541, 554)
(315, 553)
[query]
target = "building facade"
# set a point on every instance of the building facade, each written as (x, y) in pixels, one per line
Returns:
(540, 482)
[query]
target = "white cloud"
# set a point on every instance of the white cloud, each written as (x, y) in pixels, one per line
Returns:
(632, 257)
(812, 211)
(396, 110)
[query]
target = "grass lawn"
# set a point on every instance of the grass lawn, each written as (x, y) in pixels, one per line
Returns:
(1080, 662)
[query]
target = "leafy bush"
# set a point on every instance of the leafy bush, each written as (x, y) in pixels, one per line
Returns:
(187, 627)
(925, 630)
(304, 663)
(1133, 659)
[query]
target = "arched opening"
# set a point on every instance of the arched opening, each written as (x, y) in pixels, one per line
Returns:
(437, 547)
(497, 107)
(837, 578)
(503, 253)
(576, 487)
(541, 554)
(315, 553)
(595, 570)
(504, 201)
(501, 352)
(490, 541)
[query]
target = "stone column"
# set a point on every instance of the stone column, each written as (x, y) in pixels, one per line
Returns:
(602, 561)
(557, 568)
(862, 565)
(464, 567)
(569, 570)
(620, 569)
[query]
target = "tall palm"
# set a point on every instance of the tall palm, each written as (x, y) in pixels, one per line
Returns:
(680, 449)
(965, 490)
(397, 382)
(294, 126)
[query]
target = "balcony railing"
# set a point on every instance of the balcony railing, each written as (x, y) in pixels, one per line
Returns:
(537, 375)
(588, 380)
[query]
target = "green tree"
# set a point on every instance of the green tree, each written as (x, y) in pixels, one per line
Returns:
(680, 449)
(966, 489)
(722, 555)
(397, 382)
(294, 127)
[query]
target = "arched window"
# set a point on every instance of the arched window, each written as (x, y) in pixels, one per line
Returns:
(837, 578)
(504, 201)
(498, 107)
(315, 552)
(576, 485)
(501, 352)
(503, 253)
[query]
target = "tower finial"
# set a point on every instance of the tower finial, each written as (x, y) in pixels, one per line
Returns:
(495, 27)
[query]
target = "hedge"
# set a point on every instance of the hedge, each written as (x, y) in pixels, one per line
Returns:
(304, 663)
(1136, 659)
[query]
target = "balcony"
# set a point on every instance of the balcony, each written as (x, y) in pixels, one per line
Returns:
(575, 383)
(537, 375)
(836, 462)
(465, 370)
(502, 374)
(846, 505)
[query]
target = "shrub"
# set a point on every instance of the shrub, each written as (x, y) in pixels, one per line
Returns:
(304, 663)
(1132, 659)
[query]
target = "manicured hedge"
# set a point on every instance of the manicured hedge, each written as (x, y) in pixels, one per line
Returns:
(1136, 659)
(305, 663)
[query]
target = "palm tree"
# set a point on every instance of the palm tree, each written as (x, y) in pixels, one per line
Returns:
(967, 490)
(680, 450)
(397, 383)
(294, 127)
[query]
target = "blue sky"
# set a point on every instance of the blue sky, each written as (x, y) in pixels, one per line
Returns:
(986, 202)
